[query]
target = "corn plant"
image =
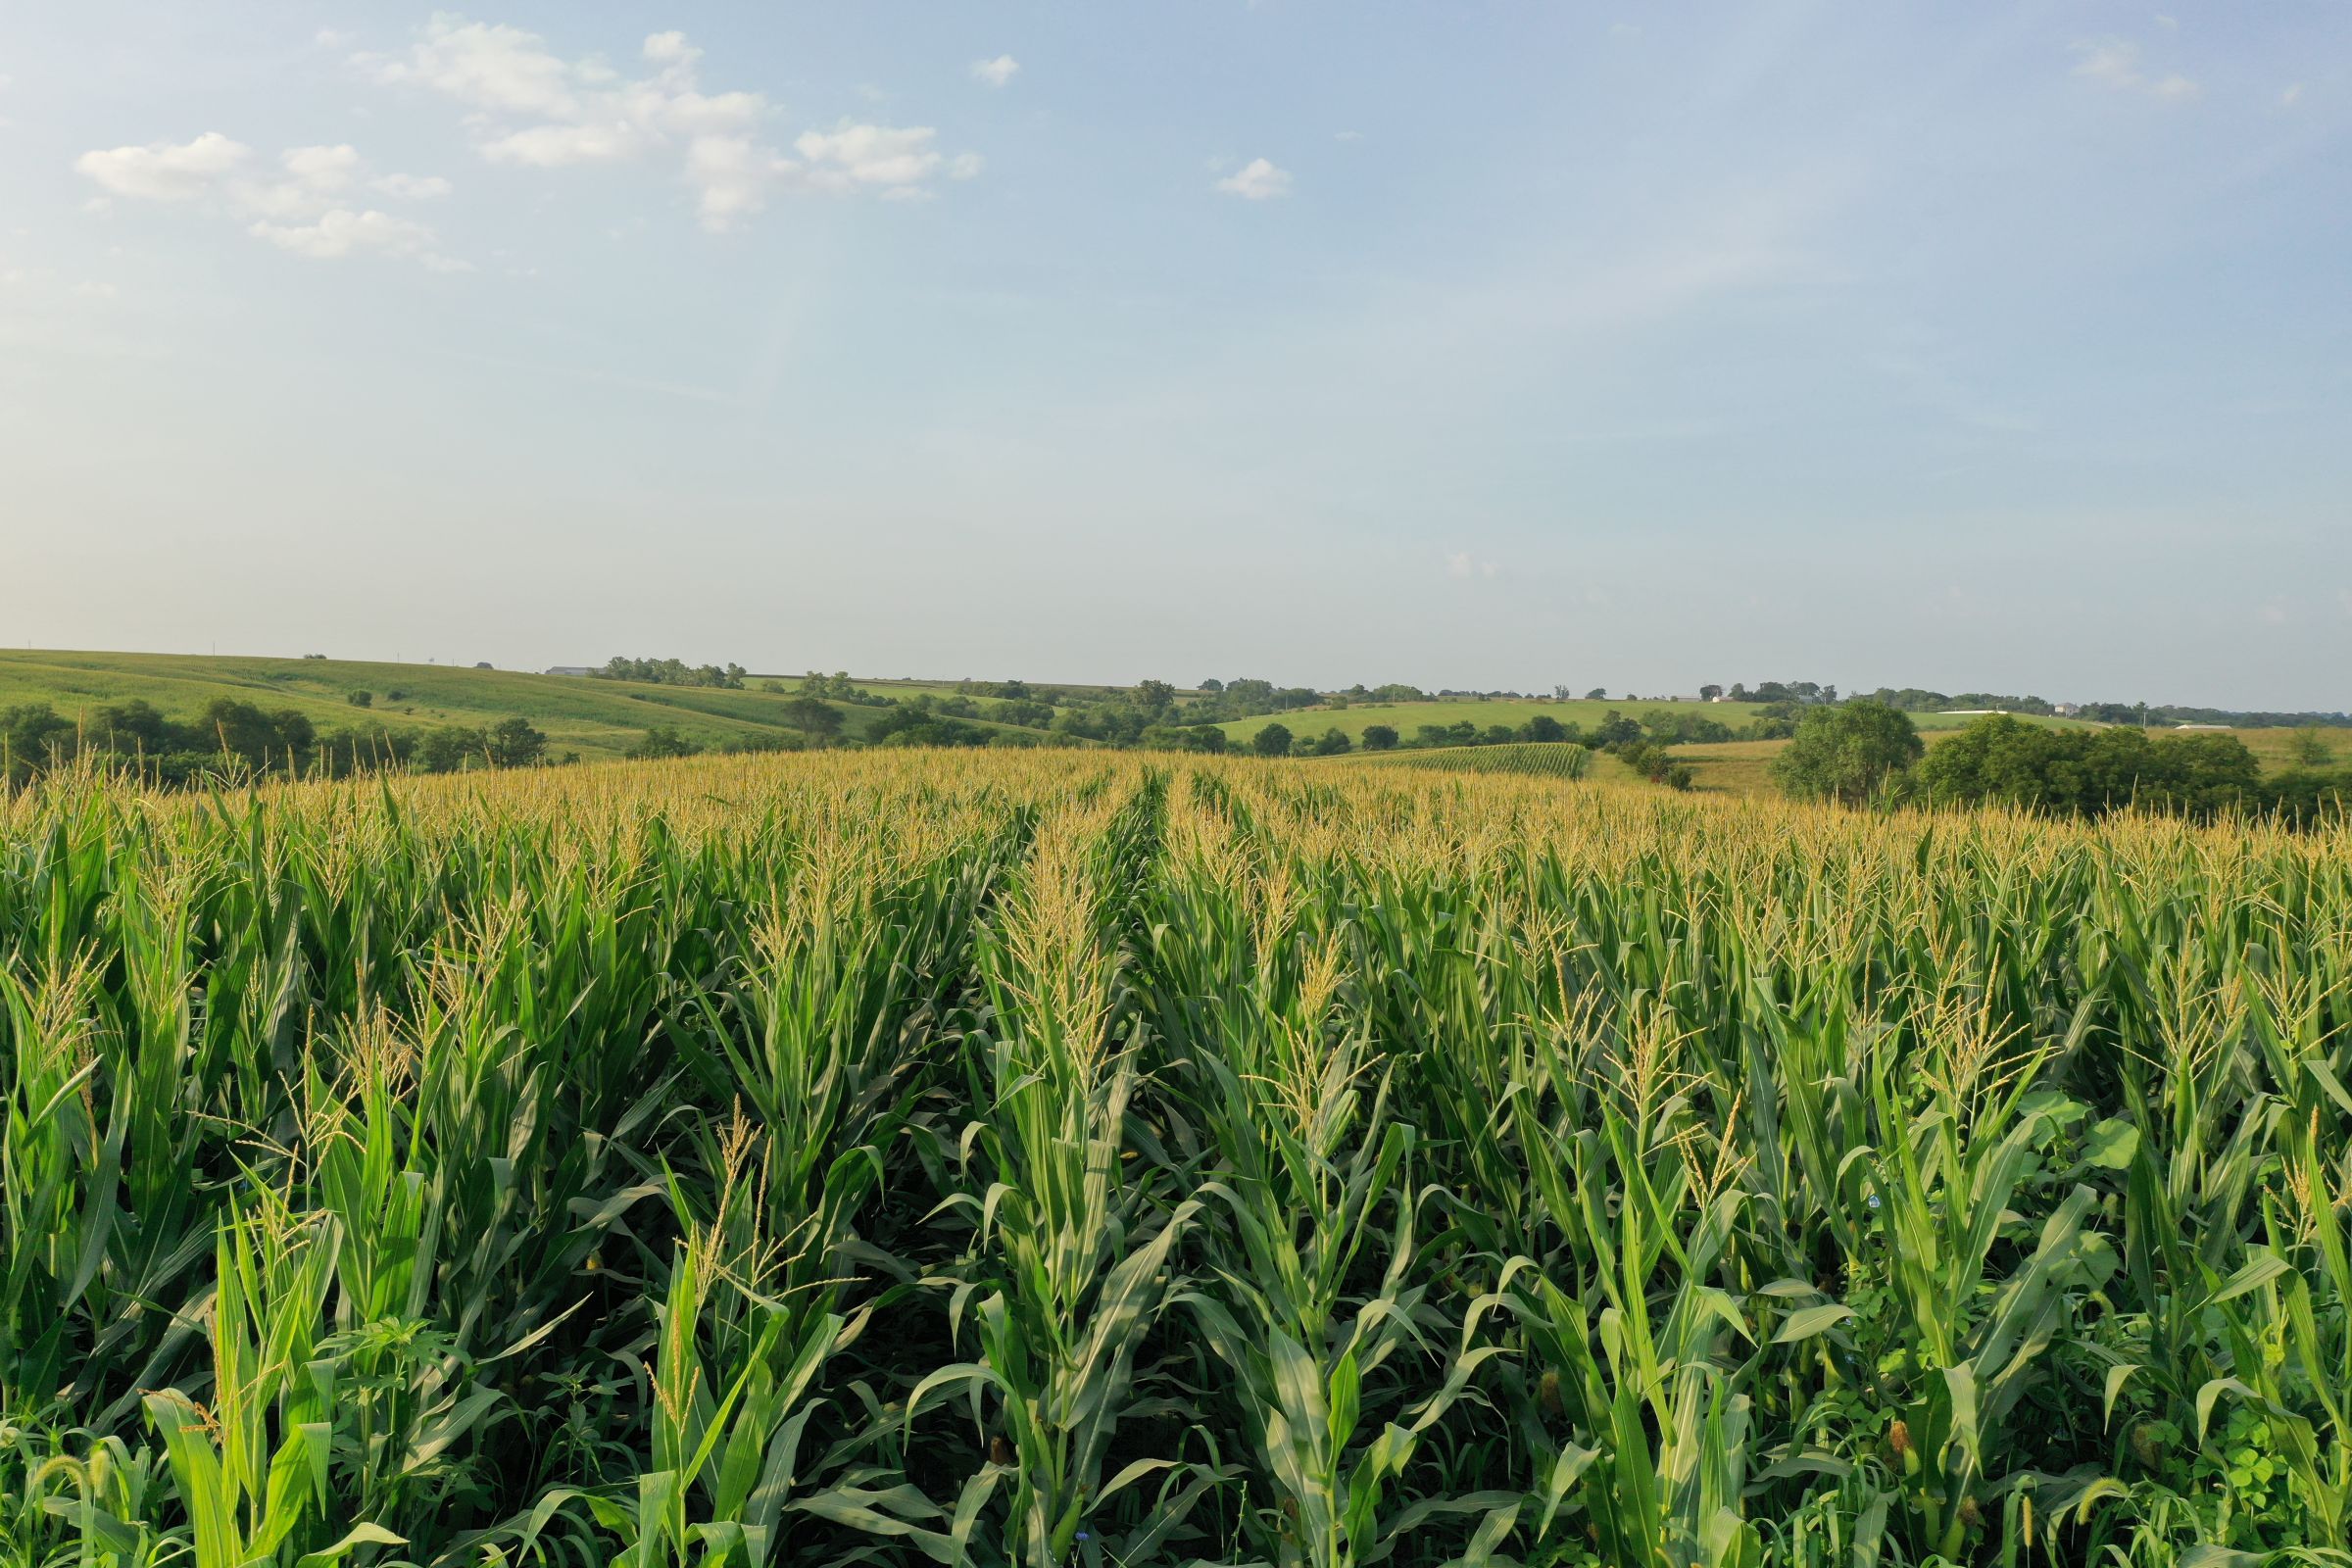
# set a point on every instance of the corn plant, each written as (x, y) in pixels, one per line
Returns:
(1022, 1158)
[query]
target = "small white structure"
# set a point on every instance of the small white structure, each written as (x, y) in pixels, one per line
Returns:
(569, 669)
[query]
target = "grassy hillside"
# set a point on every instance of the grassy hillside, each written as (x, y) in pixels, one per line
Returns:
(1405, 718)
(978, 687)
(602, 718)
(598, 718)
(2275, 748)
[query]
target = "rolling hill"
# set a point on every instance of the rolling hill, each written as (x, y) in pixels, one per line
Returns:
(599, 718)
(1405, 718)
(592, 716)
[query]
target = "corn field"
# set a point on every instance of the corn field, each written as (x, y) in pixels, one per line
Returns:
(902, 1158)
(1543, 759)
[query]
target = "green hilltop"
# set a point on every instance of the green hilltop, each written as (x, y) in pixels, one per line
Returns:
(590, 716)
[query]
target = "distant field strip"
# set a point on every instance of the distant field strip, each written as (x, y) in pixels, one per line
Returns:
(1540, 761)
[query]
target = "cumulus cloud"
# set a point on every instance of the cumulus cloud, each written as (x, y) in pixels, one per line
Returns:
(1257, 180)
(851, 154)
(732, 175)
(311, 177)
(556, 146)
(533, 108)
(1458, 563)
(996, 72)
(165, 171)
(504, 70)
(2115, 64)
(301, 206)
(339, 232)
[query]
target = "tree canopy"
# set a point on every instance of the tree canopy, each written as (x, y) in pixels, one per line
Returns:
(1849, 752)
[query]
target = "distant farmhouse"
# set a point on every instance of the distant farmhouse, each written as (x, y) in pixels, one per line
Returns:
(571, 669)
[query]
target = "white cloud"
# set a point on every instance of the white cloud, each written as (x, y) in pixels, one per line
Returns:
(1347, 135)
(340, 232)
(302, 208)
(670, 49)
(501, 68)
(94, 291)
(413, 187)
(732, 175)
(164, 171)
(556, 146)
(1257, 180)
(324, 168)
(314, 177)
(2115, 66)
(2291, 95)
(534, 109)
(998, 72)
(868, 154)
(1457, 563)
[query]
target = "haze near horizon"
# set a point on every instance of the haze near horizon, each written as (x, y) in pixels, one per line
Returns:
(2002, 349)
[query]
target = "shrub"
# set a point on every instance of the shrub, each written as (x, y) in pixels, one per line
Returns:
(660, 741)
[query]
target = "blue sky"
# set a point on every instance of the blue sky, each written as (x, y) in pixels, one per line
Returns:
(1638, 345)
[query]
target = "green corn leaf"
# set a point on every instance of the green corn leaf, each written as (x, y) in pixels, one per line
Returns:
(1807, 1322)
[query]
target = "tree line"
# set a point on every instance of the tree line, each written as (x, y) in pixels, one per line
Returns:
(1869, 752)
(673, 672)
(229, 741)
